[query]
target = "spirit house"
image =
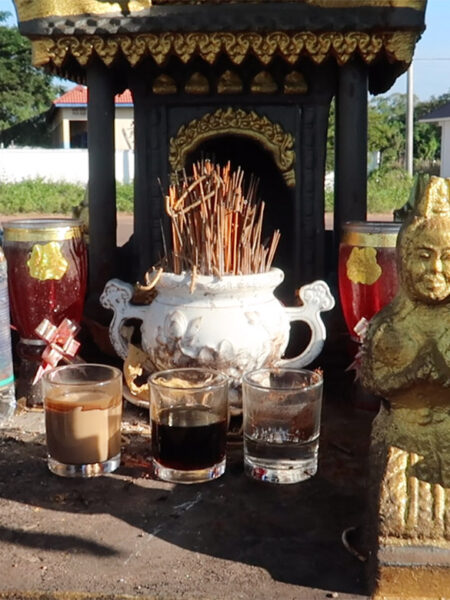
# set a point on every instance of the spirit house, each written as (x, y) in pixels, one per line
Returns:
(249, 82)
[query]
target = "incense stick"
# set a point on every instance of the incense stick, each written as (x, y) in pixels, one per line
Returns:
(216, 227)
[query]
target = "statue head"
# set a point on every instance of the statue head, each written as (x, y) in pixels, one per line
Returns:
(424, 246)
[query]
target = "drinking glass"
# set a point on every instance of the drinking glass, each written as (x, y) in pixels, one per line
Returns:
(83, 412)
(281, 422)
(189, 421)
(367, 269)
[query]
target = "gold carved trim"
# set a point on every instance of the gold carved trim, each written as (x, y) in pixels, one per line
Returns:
(398, 45)
(370, 240)
(235, 122)
(19, 232)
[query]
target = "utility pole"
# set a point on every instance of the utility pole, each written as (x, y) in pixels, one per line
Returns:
(410, 120)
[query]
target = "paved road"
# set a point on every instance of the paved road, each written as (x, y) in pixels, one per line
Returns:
(125, 222)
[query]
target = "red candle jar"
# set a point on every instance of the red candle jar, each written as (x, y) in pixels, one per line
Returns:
(47, 272)
(367, 269)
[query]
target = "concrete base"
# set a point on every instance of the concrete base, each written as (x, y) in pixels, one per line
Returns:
(413, 572)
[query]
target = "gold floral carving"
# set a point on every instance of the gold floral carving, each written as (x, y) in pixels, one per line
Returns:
(47, 262)
(235, 122)
(398, 45)
(401, 46)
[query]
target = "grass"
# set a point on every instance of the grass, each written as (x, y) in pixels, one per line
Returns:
(39, 196)
(387, 190)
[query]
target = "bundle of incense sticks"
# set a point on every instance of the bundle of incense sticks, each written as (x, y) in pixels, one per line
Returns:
(216, 226)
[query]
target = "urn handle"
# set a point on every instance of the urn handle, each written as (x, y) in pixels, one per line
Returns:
(316, 298)
(116, 296)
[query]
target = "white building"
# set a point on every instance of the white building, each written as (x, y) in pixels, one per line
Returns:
(441, 116)
(68, 120)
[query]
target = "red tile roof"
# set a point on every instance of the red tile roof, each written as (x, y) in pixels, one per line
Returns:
(78, 96)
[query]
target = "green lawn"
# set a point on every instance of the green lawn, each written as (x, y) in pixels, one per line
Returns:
(387, 190)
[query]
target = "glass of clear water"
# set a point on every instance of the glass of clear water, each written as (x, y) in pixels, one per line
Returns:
(281, 419)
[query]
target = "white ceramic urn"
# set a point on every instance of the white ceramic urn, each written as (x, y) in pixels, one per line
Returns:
(233, 323)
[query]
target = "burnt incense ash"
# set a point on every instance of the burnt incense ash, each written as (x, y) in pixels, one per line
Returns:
(217, 224)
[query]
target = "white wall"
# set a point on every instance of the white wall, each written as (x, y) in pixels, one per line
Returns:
(71, 165)
(445, 149)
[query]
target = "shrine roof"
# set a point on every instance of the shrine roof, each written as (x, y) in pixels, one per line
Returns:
(67, 34)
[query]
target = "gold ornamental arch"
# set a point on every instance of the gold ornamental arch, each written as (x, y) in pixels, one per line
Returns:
(229, 121)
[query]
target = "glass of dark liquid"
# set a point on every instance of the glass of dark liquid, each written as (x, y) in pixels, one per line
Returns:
(189, 421)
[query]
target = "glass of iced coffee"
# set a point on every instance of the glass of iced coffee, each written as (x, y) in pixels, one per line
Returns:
(189, 422)
(83, 412)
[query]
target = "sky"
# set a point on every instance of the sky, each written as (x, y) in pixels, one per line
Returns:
(431, 64)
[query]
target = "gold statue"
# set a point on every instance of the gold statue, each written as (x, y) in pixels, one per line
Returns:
(406, 360)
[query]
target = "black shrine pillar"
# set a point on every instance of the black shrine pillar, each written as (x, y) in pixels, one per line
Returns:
(350, 199)
(102, 180)
(151, 177)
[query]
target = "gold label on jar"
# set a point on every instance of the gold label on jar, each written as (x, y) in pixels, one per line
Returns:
(47, 262)
(362, 266)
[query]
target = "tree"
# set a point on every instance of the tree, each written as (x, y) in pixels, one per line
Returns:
(386, 128)
(25, 91)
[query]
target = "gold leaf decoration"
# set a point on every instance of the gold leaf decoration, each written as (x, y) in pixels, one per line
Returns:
(47, 262)
(362, 266)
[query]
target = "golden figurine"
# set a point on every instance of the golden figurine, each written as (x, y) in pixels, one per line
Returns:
(405, 359)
